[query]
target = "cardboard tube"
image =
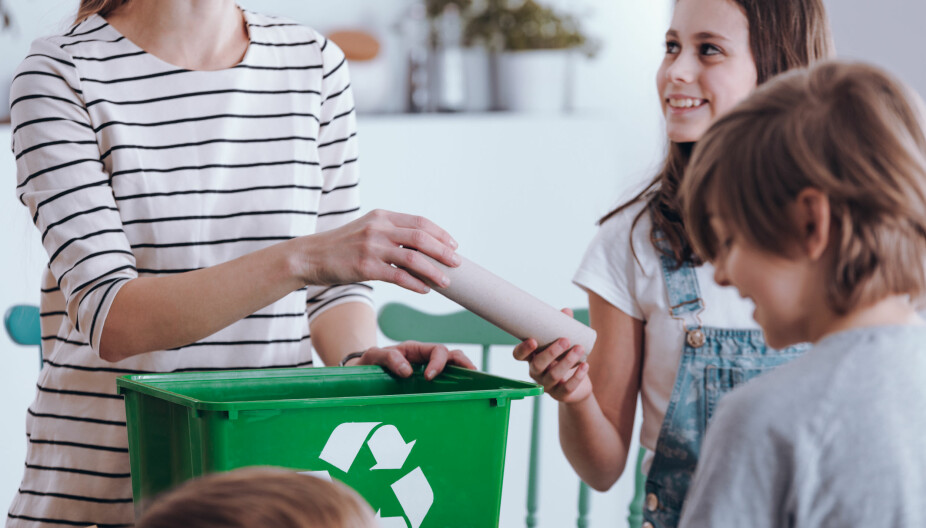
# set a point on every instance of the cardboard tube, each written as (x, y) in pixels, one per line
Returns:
(510, 308)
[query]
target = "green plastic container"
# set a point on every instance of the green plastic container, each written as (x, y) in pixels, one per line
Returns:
(425, 454)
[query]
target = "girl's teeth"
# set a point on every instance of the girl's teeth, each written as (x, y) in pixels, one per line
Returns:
(685, 103)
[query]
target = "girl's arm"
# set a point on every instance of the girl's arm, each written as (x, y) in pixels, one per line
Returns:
(595, 433)
(597, 399)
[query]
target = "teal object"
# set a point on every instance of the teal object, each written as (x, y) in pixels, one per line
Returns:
(400, 323)
(23, 325)
(635, 511)
(394, 440)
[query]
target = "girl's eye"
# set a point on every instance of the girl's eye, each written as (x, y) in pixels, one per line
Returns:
(709, 49)
(672, 47)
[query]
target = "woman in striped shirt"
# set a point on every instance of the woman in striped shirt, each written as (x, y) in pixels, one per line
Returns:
(192, 171)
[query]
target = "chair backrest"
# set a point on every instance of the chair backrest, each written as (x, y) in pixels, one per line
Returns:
(400, 322)
(22, 323)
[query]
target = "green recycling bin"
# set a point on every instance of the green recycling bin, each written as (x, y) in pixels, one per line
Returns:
(425, 454)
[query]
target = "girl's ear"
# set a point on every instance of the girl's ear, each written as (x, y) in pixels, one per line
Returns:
(811, 215)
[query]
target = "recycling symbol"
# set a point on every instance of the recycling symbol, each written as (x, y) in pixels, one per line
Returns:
(390, 452)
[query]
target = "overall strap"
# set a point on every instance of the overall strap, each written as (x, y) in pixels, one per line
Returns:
(682, 291)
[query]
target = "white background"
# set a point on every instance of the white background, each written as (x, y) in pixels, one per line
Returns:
(520, 193)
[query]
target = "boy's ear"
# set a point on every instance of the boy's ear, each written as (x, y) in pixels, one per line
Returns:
(811, 215)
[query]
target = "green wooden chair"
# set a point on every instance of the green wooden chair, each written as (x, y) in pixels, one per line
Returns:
(22, 325)
(400, 323)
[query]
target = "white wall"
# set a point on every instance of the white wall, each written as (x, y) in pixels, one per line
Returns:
(884, 32)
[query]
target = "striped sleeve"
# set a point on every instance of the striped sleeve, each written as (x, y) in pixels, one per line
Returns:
(338, 155)
(62, 181)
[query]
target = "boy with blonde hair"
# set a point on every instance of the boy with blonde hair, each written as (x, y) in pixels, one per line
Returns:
(259, 497)
(810, 198)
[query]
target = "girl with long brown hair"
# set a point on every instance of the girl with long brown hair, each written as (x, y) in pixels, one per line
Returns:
(666, 332)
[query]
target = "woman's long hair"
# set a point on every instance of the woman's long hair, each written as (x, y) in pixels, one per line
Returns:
(783, 34)
(89, 8)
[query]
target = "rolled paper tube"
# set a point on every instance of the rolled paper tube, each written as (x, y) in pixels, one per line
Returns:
(510, 308)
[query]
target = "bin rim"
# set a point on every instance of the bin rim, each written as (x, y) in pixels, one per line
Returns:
(512, 389)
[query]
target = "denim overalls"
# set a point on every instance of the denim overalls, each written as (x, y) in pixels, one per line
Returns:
(714, 361)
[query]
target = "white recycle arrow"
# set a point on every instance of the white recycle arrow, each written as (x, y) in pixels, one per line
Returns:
(415, 496)
(388, 447)
(345, 442)
(324, 475)
(390, 522)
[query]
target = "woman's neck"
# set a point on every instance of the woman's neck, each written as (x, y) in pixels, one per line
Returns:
(196, 35)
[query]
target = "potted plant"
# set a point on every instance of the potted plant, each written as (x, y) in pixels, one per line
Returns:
(535, 45)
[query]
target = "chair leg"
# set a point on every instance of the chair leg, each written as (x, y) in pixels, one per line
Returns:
(584, 505)
(635, 511)
(533, 469)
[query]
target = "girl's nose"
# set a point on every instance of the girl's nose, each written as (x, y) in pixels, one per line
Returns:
(683, 69)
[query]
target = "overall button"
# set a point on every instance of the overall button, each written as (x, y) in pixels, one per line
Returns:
(647, 524)
(652, 502)
(695, 337)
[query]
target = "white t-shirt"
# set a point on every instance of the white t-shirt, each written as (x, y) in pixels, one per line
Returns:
(635, 286)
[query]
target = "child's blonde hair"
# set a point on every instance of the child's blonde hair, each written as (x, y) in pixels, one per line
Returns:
(254, 497)
(849, 130)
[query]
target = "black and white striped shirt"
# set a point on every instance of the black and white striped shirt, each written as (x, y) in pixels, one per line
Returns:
(131, 167)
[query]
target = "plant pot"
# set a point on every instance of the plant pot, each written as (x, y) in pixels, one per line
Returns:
(372, 84)
(478, 77)
(536, 80)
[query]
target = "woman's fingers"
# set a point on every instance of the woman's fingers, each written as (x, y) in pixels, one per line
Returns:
(398, 358)
(414, 263)
(382, 271)
(458, 358)
(438, 359)
(420, 223)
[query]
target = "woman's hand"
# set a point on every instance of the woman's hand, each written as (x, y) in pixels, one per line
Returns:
(381, 245)
(398, 358)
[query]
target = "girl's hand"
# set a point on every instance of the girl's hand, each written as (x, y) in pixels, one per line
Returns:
(558, 367)
(398, 358)
(381, 245)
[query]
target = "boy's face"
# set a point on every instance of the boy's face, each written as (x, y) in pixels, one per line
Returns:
(708, 66)
(782, 289)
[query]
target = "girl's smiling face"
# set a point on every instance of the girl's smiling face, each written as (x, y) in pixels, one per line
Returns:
(708, 66)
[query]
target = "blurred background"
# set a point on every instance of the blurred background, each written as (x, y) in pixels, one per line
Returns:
(514, 125)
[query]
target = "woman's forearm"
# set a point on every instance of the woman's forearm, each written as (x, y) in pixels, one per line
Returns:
(346, 328)
(158, 313)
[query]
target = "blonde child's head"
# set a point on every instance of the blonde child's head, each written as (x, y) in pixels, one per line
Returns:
(257, 497)
(847, 136)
